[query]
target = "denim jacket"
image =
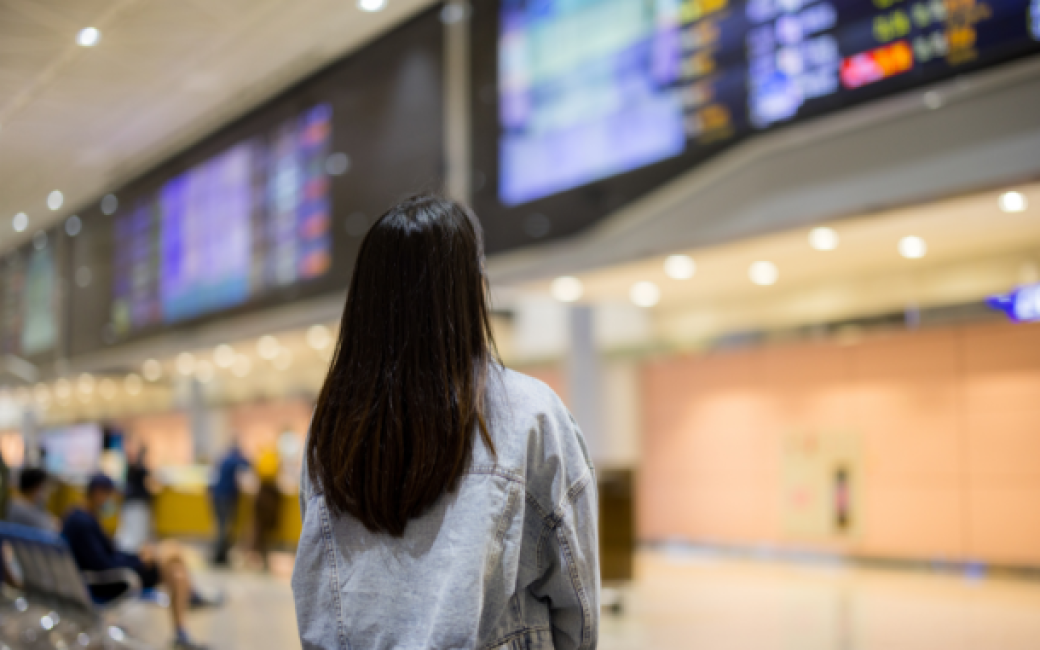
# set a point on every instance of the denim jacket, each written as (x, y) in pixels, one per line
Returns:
(508, 561)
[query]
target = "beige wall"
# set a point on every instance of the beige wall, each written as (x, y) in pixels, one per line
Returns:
(168, 435)
(949, 421)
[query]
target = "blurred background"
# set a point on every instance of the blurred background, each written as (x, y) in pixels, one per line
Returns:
(781, 258)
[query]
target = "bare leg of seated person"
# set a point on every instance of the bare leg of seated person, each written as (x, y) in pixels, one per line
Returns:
(174, 574)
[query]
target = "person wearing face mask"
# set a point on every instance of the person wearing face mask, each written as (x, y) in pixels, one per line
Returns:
(162, 564)
(28, 506)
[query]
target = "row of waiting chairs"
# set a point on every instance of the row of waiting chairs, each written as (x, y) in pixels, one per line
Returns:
(47, 602)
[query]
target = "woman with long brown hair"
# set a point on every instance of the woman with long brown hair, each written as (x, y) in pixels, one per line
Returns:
(447, 502)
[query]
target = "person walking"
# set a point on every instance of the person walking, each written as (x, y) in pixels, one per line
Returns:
(224, 494)
(447, 501)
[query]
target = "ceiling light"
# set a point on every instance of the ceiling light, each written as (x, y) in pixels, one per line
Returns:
(107, 388)
(88, 37)
(644, 294)
(42, 393)
(337, 164)
(204, 371)
(371, 5)
(241, 366)
(567, 289)
(763, 274)
(1013, 202)
(823, 238)
(185, 363)
(73, 226)
(109, 204)
(912, 247)
(20, 222)
(62, 389)
(85, 384)
(55, 199)
(152, 370)
(318, 337)
(680, 267)
(283, 360)
(267, 347)
(224, 355)
(133, 383)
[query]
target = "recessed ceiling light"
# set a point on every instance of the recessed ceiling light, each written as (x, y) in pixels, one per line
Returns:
(55, 199)
(371, 5)
(1013, 202)
(152, 370)
(680, 267)
(224, 355)
(644, 294)
(185, 363)
(318, 337)
(823, 238)
(88, 37)
(567, 289)
(763, 273)
(20, 222)
(109, 204)
(73, 225)
(267, 347)
(912, 247)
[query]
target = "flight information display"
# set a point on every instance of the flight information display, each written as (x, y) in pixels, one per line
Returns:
(254, 217)
(588, 89)
(29, 299)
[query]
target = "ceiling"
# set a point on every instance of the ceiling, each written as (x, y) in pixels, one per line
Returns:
(973, 250)
(82, 120)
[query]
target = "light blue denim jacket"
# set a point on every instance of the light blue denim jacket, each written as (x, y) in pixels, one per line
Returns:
(508, 561)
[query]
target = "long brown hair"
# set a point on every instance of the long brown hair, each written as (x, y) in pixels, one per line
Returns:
(403, 401)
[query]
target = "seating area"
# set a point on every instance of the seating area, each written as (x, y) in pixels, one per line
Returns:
(45, 601)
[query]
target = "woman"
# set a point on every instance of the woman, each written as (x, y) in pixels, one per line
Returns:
(447, 502)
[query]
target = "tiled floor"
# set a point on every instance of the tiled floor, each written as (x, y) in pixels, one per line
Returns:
(712, 603)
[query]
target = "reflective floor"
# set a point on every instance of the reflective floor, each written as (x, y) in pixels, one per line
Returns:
(708, 602)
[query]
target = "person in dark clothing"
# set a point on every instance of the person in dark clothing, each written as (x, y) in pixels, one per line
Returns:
(224, 493)
(154, 565)
(135, 521)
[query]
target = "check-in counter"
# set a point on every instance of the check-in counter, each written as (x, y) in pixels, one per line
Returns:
(184, 513)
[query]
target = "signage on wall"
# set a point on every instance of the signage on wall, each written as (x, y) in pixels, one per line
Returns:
(1021, 305)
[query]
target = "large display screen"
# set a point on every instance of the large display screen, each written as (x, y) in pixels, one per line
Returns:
(29, 299)
(72, 452)
(270, 209)
(589, 89)
(253, 217)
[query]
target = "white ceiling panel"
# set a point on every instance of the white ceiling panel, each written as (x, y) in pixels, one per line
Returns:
(164, 74)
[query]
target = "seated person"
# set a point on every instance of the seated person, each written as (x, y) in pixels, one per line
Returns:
(28, 506)
(94, 551)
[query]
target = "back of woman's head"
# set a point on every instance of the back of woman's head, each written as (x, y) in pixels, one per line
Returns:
(397, 417)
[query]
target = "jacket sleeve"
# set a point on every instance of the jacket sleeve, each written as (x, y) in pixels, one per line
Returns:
(571, 583)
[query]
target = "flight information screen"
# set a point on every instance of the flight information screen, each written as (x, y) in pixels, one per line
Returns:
(251, 218)
(588, 89)
(29, 299)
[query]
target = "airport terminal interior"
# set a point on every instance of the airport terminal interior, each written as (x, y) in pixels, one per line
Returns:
(779, 258)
